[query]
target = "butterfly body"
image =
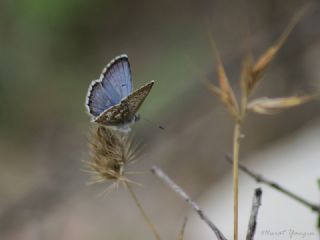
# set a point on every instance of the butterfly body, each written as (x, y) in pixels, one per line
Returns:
(110, 100)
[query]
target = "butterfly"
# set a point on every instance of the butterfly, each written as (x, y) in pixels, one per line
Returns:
(111, 100)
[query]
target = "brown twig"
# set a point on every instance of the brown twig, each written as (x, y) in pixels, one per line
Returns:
(160, 174)
(256, 203)
(260, 179)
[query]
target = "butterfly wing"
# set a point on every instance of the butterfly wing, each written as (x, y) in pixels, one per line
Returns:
(135, 100)
(115, 83)
(116, 77)
(124, 112)
(97, 99)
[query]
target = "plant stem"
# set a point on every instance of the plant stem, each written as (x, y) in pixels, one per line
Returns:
(236, 148)
(183, 228)
(143, 213)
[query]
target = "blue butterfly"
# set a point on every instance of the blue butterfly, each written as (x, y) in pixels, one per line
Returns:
(110, 100)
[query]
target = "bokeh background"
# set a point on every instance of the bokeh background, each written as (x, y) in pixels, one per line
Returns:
(51, 50)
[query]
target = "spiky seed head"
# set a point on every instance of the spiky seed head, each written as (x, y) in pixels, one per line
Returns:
(110, 151)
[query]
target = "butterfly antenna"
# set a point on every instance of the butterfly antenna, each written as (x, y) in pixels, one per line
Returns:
(153, 123)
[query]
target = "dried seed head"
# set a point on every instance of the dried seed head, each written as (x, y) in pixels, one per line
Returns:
(111, 151)
(224, 92)
(257, 69)
(266, 105)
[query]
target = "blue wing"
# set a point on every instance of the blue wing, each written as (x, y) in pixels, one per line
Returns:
(117, 77)
(114, 84)
(97, 99)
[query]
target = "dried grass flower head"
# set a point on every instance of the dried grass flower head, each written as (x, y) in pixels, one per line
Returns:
(111, 151)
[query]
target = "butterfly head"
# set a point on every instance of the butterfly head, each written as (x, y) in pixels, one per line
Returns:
(136, 117)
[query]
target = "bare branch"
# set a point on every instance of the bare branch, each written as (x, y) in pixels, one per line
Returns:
(160, 174)
(256, 203)
(260, 179)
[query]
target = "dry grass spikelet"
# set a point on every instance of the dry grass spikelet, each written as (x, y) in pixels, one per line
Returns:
(111, 151)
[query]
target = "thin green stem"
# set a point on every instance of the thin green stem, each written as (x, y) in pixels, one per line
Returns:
(143, 213)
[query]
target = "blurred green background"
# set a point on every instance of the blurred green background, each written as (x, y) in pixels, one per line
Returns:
(51, 50)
